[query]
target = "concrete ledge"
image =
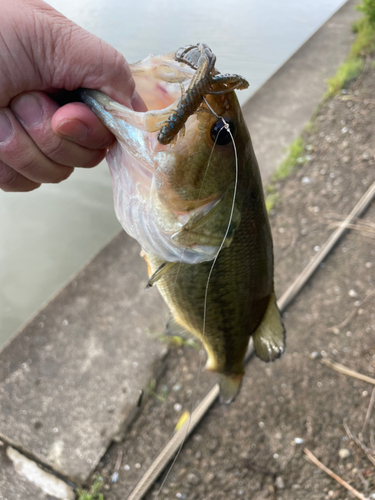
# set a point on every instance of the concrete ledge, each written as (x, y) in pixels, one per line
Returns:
(279, 110)
(70, 381)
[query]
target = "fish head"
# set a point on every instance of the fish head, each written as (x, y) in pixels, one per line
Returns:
(181, 201)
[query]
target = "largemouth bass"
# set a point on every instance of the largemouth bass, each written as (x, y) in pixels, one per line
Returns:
(193, 199)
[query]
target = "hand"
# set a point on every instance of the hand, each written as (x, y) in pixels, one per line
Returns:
(41, 52)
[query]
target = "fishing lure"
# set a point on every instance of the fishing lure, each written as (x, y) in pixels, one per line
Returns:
(205, 81)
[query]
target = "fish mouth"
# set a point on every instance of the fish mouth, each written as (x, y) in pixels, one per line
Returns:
(138, 163)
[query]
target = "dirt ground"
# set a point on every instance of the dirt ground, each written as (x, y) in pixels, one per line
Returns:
(253, 449)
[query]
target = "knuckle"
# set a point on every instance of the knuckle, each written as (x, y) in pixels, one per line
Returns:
(8, 177)
(11, 181)
(63, 174)
(55, 149)
(94, 158)
(26, 164)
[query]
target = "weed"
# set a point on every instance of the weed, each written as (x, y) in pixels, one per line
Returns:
(365, 40)
(348, 71)
(368, 8)
(363, 45)
(162, 396)
(271, 200)
(294, 157)
(94, 493)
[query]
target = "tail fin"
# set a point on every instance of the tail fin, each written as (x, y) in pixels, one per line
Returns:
(269, 337)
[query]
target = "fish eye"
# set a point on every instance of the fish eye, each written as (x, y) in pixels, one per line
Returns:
(220, 134)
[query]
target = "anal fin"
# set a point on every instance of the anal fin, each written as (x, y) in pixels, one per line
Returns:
(174, 329)
(269, 337)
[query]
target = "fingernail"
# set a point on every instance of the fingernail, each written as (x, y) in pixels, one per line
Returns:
(73, 129)
(28, 110)
(6, 127)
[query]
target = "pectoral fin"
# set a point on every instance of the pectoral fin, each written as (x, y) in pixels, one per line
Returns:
(269, 337)
(159, 273)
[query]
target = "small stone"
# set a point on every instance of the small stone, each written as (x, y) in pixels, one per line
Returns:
(209, 477)
(298, 440)
(344, 453)
(314, 355)
(353, 293)
(177, 407)
(279, 483)
(212, 445)
(193, 479)
(177, 387)
(368, 265)
(305, 180)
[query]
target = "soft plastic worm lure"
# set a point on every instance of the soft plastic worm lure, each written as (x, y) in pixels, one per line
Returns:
(200, 58)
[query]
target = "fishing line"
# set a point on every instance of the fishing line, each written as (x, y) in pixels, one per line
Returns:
(227, 128)
(200, 360)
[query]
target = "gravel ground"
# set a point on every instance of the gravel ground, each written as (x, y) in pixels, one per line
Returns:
(253, 449)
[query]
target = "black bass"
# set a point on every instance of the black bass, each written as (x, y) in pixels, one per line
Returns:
(194, 201)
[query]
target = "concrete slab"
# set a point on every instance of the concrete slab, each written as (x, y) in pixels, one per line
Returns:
(21, 478)
(279, 110)
(70, 381)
